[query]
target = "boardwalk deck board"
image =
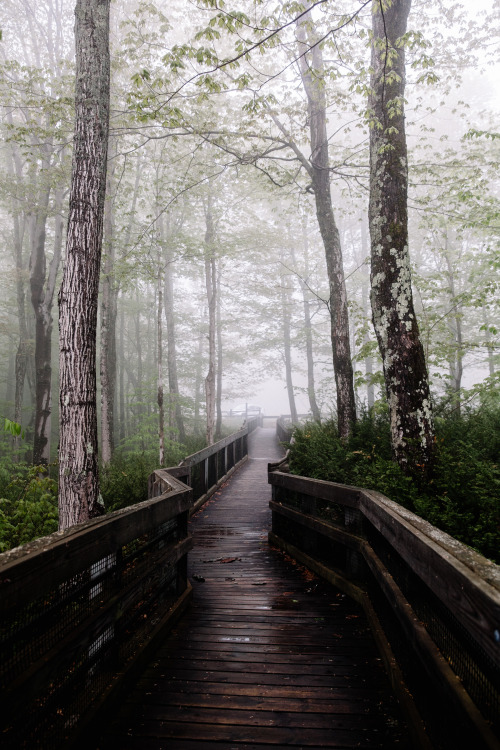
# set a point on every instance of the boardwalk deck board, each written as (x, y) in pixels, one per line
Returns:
(268, 656)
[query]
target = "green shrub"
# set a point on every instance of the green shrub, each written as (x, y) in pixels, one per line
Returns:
(28, 494)
(28, 504)
(125, 481)
(463, 496)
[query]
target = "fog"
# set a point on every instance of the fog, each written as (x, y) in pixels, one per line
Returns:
(213, 260)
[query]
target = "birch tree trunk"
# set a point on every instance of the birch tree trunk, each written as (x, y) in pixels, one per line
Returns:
(312, 73)
(211, 286)
(78, 467)
(406, 381)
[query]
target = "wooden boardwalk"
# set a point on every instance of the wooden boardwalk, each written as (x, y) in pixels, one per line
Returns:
(267, 656)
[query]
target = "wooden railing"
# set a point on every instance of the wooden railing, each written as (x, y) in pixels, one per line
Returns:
(434, 604)
(81, 609)
(206, 470)
(285, 426)
(284, 429)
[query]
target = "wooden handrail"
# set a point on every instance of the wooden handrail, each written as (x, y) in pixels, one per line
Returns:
(434, 602)
(207, 469)
(80, 609)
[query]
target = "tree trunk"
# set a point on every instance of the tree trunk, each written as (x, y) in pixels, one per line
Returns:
(159, 343)
(457, 367)
(120, 366)
(109, 310)
(490, 348)
(198, 383)
(370, 389)
(22, 355)
(78, 467)
(311, 387)
(211, 286)
(138, 343)
(173, 378)
(218, 399)
(175, 410)
(9, 385)
(24, 348)
(42, 298)
(406, 381)
(312, 72)
(122, 429)
(287, 345)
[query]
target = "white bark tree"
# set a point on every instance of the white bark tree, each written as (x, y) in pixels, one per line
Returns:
(395, 322)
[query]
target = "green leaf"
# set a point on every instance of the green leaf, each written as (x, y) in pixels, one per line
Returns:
(13, 428)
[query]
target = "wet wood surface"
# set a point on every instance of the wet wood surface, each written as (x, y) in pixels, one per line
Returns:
(268, 656)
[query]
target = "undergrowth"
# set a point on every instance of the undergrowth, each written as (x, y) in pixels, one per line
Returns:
(28, 503)
(28, 494)
(463, 496)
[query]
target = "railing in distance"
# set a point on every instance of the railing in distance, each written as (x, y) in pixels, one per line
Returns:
(206, 470)
(285, 426)
(81, 608)
(434, 604)
(284, 429)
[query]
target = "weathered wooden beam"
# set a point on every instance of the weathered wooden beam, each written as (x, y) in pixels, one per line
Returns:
(458, 587)
(335, 493)
(27, 571)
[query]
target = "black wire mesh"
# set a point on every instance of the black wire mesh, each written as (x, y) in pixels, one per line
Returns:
(61, 651)
(473, 666)
(475, 669)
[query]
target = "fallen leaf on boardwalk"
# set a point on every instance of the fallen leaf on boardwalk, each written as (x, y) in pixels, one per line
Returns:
(198, 578)
(259, 583)
(229, 559)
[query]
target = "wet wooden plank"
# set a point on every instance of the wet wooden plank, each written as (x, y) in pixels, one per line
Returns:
(287, 736)
(268, 656)
(159, 685)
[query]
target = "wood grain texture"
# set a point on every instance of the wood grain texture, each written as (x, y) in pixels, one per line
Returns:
(268, 656)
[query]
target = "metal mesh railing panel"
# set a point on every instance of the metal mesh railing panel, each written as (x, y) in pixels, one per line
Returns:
(472, 665)
(475, 668)
(74, 637)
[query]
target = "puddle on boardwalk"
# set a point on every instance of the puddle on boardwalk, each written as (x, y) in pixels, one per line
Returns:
(285, 602)
(216, 531)
(210, 537)
(236, 639)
